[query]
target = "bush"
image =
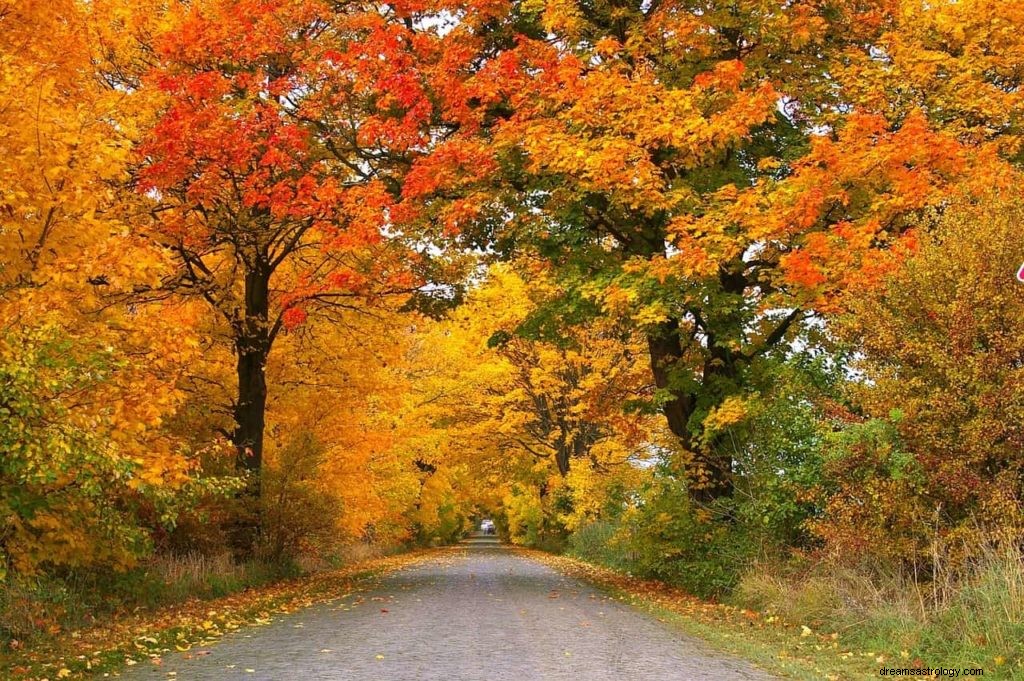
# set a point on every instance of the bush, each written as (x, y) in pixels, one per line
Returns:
(299, 517)
(596, 542)
(942, 340)
(666, 538)
(46, 604)
(66, 498)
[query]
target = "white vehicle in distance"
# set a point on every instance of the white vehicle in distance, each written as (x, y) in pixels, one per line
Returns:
(487, 526)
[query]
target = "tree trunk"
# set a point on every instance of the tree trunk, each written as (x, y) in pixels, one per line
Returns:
(562, 455)
(666, 350)
(252, 346)
(710, 470)
(250, 411)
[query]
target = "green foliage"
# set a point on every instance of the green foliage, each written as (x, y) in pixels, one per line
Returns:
(673, 540)
(596, 542)
(66, 493)
(778, 448)
(973, 617)
(34, 606)
(776, 439)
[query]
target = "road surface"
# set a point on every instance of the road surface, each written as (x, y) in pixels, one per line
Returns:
(479, 612)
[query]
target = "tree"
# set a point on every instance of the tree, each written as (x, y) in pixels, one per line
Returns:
(937, 465)
(273, 167)
(544, 422)
(691, 167)
(61, 157)
(958, 61)
(88, 389)
(335, 461)
(570, 398)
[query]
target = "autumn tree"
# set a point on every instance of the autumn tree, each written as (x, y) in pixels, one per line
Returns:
(572, 395)
(937, 465)
(91, 465)
(692, 167)
(60, 158)
(336, 471)
(273, 167)
(957, 61)
(541, 429)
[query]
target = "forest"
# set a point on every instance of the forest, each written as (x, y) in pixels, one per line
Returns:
(717, 293)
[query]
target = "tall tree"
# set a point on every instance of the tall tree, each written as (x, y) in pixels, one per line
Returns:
(273, 167)
(88, 459)
(694, 167)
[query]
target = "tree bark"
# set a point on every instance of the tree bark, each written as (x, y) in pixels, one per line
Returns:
(665, 352)
(252, 347)
(710, 469)
(562, 455)
(250, 410)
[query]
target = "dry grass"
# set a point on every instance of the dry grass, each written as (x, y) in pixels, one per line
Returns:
(196, 568)
(972, 615)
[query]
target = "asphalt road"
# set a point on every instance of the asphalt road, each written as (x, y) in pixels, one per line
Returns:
(476, 612)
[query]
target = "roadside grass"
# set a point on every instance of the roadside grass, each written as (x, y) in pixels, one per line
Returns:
(809, 642)
(970, 617)
(143, 636)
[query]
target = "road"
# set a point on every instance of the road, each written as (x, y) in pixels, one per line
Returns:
(476, 612)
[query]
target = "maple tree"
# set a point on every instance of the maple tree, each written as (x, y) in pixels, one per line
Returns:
(694, 168)
(273, 168)
(958, 61)
(60, 154)
(332, 442)
(91, 464)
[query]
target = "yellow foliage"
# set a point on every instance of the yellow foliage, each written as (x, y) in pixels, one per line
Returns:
(731, 411)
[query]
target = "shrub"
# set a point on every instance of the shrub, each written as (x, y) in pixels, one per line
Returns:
(942, 340)
(667, 538)
(595, 542)
(32, 607)
(299, 516)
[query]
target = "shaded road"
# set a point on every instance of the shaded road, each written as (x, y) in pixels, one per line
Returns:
(479, 612)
